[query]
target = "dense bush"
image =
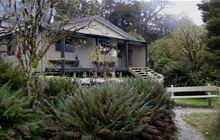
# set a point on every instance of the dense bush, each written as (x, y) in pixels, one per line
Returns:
(14, 74)
(54, 85)
(161, 64)
(139, 109)
(20, 117)
(205, 75)
(182, 73)
(178, 73)
(61, 124)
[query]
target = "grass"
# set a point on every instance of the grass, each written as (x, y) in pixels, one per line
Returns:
(205, 123)
(197, 102)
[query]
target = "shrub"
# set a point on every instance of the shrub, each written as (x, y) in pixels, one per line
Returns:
(178, 73)
(55, 85)
(60, 122)
(138, 109)
(19, 115)
(181, 73)
(161, 64)
(205, 75)
(13, 74)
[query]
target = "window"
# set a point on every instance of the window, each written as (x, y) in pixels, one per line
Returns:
(11, 49)
(106, 46)
(58, 46)
(104, 43)
(69, 47)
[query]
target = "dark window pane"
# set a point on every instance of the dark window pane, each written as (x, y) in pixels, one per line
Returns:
(11, 49)
(105, 43)
(58, 46)
(70, 48)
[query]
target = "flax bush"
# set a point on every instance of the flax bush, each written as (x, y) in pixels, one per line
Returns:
(55, 85)
(13, 74)
(136, 109)
(20, 116)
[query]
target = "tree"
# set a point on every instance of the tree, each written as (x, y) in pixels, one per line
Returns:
(33, 27)
(188, 40)
(210, 11)
(179, 56)
(185, 44)
(125, 14)
(143, 17)
(164, 48)
(78, 8)
(108, 6)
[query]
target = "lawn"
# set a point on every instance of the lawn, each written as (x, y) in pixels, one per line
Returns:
(197, 102)
(205, 123)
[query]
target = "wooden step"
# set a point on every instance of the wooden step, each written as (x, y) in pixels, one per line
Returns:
(137, 70)
(141, 72)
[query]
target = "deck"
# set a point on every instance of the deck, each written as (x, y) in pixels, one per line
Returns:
(87, 71)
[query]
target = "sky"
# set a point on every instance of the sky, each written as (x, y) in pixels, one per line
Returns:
(186, 7)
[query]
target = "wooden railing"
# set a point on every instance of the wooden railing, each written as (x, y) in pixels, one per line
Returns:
(208, 89)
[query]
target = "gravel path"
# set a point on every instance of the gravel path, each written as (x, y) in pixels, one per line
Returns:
(186, 132)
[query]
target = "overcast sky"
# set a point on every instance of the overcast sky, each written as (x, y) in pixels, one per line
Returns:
(188, 7)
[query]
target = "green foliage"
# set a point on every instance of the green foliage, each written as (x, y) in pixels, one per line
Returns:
(181, 73)
(183, 44)
(13, 74)
(136, 35)
(180, 57)
(177, 73)
(60, 122)
(164, 48)
(161, 64)
(116, 111)
(210, 11)
(205, 75)
(20, 117)
(55, 85)
(135, 16)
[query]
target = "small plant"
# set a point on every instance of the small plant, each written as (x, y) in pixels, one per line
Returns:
(20, 117)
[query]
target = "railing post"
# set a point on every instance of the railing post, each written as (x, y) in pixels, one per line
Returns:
(63, 55)
(126, 55)
(146, 55)
(172, 93)
(120, 74)
(95, 74)
(209, 99)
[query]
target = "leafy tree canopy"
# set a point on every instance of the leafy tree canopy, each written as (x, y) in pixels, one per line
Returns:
(210, 11)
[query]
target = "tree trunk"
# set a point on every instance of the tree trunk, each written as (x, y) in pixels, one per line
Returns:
(30, 85)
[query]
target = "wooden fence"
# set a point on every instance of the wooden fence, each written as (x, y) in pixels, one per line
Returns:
(209, 89)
